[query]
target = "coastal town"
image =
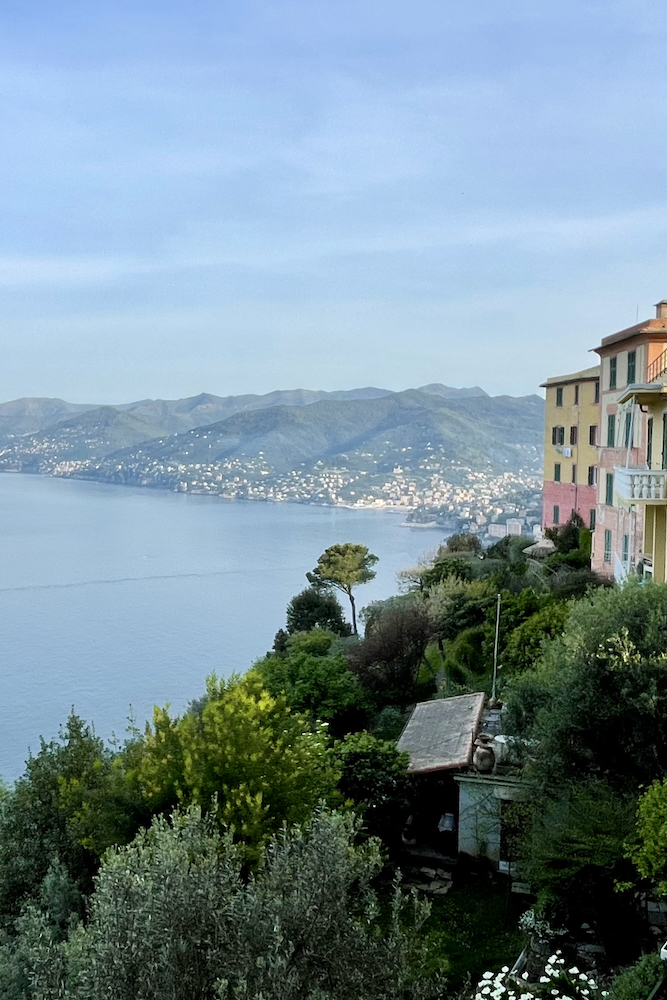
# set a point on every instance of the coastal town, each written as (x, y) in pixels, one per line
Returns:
(437, 493)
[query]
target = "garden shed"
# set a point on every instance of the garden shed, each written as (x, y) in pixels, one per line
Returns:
(459, 796)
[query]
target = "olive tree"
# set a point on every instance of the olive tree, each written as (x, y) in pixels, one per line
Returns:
(173, 917)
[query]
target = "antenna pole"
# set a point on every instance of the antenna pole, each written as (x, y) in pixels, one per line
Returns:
(495, 653)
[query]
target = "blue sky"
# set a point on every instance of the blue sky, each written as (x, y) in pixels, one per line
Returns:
(239, 197)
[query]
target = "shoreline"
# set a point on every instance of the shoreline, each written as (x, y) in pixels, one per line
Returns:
(396, 509)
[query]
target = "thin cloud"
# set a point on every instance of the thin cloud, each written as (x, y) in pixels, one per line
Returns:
(540, 234)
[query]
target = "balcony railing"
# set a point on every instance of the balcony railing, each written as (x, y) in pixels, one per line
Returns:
(637, 485)
(657, 368)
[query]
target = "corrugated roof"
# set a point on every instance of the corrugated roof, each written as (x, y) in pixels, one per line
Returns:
(440, 734)
(574, 377)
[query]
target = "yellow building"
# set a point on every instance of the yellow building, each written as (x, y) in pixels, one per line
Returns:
(605, 450)
(572, 427)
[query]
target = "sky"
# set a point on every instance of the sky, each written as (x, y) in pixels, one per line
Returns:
(236, 197)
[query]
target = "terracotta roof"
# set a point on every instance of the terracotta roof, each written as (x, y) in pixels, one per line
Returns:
(439, 735)
(647, 326)
(587, 373)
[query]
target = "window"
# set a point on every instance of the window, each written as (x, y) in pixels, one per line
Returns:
(632, 366)
(556, 514)
(593, 434)
(607, 545)
(574, 473)
(649, 442)
(628, 429)
(592, 519)
(592, 475)
(609, 489)
(576, 395)
(626, 548)
(557, 472)
(611, 430)
(597, 393)
(573, 434)
(612, 372)
(559, 397)
(558, 435)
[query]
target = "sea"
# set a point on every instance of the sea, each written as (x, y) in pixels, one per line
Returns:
(115, 599)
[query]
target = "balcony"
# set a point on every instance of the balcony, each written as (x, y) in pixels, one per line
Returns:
(641, 485)
(657, 368)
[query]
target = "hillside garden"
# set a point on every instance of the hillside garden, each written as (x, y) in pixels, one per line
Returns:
(250, 847)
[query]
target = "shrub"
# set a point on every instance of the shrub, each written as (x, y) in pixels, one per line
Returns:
(637, 982)
(173, 917)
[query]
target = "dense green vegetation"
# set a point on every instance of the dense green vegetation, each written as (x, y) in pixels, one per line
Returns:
(248, 846)
(174, 916)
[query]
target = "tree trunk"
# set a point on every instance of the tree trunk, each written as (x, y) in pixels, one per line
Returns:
(354, 612)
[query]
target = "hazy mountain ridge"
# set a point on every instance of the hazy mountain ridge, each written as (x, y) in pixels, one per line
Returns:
(470, 429)
(180, 415)
(372, 450)
(31, 415)
(86, 437)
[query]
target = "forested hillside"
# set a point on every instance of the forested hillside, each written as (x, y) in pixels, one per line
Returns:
(370, 434)
(169, 416)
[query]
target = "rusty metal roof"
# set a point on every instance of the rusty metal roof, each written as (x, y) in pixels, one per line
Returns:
(439, 735)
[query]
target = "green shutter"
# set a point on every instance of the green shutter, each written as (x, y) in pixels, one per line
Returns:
(612, 373)
(611, 431)
(609, 489)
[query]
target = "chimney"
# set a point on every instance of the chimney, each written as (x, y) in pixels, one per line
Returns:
(661, 309)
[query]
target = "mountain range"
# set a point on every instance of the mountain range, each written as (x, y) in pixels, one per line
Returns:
(31, 415)
(371, 431)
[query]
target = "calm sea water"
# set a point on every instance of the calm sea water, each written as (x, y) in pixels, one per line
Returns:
(115, 599)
